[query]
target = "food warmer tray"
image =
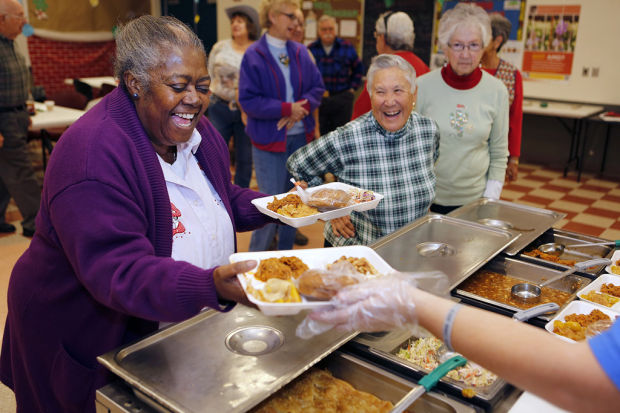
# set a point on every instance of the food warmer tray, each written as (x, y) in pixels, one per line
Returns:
(440, 243)
(219, 361)
(529, 272)
(364, 376)
(578, 254)
(381, 348)
(526, 220)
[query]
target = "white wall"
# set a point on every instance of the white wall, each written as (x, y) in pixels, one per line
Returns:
(597, 46)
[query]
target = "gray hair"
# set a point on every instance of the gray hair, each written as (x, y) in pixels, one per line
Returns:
(500, 26)
(326, 17)
(399, 34)
(141, 45)
(464, 14)
(387, 61)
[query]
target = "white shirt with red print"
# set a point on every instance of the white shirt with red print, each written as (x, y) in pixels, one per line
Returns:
(202, 233)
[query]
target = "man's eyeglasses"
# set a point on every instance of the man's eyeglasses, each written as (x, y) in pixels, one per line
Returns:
(459, 47)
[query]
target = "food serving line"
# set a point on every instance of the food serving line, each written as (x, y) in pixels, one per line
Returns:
(233, 361)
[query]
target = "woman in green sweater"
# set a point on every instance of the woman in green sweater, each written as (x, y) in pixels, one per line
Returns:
(471, 108)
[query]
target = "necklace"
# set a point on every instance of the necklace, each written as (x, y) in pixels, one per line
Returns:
(283, 58)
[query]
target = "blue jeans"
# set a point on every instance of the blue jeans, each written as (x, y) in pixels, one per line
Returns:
(228, 123)
(273, 178)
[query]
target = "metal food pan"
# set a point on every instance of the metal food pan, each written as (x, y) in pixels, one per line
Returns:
(440, 243)
(578, 254)
(375, 380)
(529, 272)
(526, 220)
(219, 361)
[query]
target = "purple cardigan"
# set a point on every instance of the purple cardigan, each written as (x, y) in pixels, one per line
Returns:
(98, 271)
(262, 92)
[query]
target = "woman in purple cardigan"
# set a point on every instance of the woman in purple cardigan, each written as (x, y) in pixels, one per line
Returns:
(279, 88)
(137, 221)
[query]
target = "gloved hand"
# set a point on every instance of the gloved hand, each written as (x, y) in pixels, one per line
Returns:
(493, 189)
(380, 304)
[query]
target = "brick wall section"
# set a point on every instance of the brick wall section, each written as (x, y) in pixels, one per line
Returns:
(54, 61)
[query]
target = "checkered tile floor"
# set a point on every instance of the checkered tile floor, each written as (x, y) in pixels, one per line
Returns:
(592, 206)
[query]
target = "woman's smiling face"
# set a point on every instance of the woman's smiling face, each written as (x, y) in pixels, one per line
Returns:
(391, 98)
(176, 98)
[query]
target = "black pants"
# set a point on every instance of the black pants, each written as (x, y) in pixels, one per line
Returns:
(442, 209)
(335, 111)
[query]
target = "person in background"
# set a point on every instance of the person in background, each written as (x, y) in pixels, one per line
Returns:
(394, 34)
(579, 377)
(342, 73)
(511, 77)
(279, 87)
(17, 176)
(390, 150)
(471, 108)
(137, 224)
(224, 63)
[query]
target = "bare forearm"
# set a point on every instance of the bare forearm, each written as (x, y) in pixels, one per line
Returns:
(565, 374)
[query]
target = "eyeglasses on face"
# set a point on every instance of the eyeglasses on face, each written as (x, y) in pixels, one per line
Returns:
(289, 15)
(459, 47)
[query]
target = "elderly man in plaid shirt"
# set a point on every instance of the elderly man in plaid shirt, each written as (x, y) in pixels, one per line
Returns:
(342, 73)
(17, 177)
(390, 150)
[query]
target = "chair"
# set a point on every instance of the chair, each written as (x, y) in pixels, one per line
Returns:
(83, 88)
(105, 89)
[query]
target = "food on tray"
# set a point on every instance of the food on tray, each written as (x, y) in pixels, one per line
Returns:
(574, 326)
(549, 257)
(611, 289)
(600, 298)
(615, 269)
(361, 195)
(319, 391)
(283, 268)
(329, 199)
(495, 286)
(468, 393)
(361, 265)
(277, 291)
(324, 284)
(423, 353)
(291, 206)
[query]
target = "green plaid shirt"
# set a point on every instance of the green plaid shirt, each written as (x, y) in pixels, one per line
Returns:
(398, 165)
(14, 75)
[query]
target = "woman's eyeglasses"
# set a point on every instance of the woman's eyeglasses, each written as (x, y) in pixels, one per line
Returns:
(459, 47)
(289, 15)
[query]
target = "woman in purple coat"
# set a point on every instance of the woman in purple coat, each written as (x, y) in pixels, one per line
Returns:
(137, 221)
(279, 88)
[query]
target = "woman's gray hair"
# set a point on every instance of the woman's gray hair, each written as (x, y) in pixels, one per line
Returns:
(386, 61)
(142, 45)
(266, 6)
(399, 34)
(464, 14)
(500, 26)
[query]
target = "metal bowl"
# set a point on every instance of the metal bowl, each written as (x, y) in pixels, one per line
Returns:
(254, 340)
(435, 249)
(526, 292)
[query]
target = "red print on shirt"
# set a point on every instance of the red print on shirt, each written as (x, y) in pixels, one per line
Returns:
(177, 225)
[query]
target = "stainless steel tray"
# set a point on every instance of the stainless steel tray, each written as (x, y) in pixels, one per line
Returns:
(382, 348)
(578, 254)
(526, 220)
(438, 242)
(529, 272)
(372, 379)
(214, 361)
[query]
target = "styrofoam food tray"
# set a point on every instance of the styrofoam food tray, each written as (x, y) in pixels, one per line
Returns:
(596, 286)
(578, 307)
(261, 205)
(313, 258)
(614, 258)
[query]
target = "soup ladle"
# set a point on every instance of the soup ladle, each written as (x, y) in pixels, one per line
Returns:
(531, 292)
(555, 248)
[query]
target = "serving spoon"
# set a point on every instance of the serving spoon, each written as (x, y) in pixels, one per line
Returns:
(555, 248)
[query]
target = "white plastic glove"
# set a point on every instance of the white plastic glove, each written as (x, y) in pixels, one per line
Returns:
(493, 189)
(381, 304)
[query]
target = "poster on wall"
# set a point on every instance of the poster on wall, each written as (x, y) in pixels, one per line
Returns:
(550, 41)
(513, 10)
